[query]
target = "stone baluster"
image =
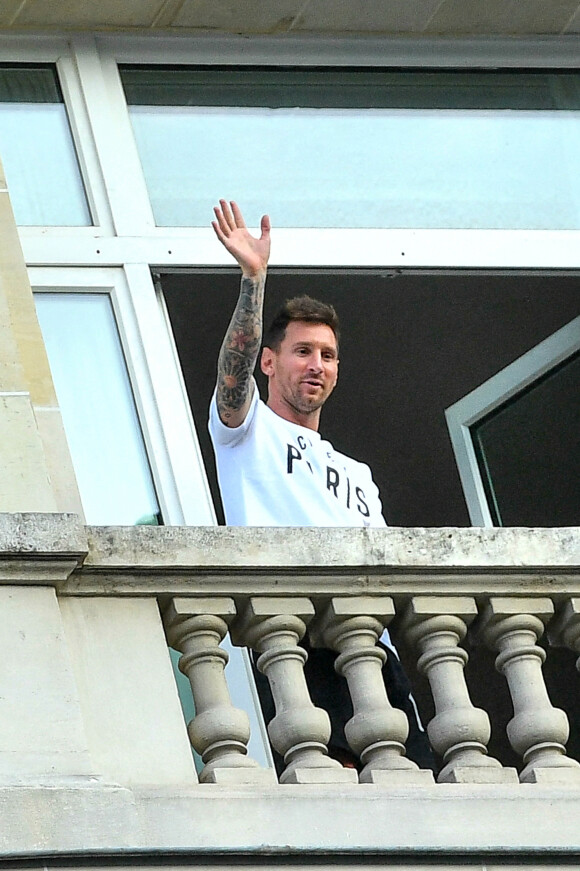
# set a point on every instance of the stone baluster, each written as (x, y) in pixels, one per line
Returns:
(376, 732)
(565, 630)
(459, 732)
(538, 731)
(219, 732)
(299, 731)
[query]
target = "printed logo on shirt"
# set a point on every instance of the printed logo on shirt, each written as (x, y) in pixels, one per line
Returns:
(337, 482)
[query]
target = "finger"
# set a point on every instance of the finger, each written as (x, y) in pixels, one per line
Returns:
(265, 226)
(227, 213)
(223, 224)
(218, 232)
(239, 218)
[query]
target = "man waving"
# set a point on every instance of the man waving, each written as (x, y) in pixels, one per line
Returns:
(275, 469)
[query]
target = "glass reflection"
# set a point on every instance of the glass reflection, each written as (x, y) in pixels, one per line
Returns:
(377, 168)
(98, 408)
(37, 149)
(360, 149)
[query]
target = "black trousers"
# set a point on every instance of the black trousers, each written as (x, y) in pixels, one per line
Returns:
(329, 690)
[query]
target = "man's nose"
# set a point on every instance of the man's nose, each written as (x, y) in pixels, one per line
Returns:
(315, 361)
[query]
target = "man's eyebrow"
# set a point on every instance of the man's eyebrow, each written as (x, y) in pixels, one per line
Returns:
(309, 346)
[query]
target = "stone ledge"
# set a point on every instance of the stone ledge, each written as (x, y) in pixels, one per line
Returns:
(42, 534)
(174, 548)
(47, 820)
(231, 561)
(57, 549)
(395, 548)
(40, 549)
(451, 820)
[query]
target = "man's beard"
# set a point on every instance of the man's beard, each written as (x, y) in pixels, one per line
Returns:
(300, 404)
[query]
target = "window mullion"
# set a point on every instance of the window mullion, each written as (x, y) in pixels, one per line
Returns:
(119, 162)
(84, 142)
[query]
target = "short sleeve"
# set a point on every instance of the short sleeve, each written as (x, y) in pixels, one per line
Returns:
(228, 436)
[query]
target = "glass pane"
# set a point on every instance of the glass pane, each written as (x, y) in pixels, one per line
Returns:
(528, 452)
(360, 149)
(98, 408)
(37, 150)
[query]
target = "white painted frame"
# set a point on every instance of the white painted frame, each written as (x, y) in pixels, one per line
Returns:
(125, 230)
(168, 430)
(415, 248)
(58, 51)
(462, 415)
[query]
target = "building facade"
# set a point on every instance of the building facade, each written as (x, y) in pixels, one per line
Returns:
(420, 170)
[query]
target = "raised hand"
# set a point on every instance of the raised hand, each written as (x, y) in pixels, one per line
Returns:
(252, 254)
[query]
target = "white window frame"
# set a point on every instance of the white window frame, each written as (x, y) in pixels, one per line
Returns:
(414, 248)
(466, 412)
(168, 430)
(117, 192)
(58, 52)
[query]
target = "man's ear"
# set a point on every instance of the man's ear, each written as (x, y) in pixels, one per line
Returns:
(267, 361)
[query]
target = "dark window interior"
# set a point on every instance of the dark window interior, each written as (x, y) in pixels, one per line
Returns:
(412, 344)
(528, 452)
(340, 87)
(29, 83)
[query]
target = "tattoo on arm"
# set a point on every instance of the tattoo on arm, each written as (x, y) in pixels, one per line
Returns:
(240, 348)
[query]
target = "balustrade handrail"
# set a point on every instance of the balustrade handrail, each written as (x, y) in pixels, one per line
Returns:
(402, 560)
(268, 587)
(550, 555)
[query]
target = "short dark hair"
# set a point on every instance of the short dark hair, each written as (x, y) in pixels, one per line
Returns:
(301, 308)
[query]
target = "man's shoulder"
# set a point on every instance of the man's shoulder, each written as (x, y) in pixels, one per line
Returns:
(224, 435)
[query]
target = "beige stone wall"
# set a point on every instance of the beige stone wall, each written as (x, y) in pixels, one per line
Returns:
(37, 472)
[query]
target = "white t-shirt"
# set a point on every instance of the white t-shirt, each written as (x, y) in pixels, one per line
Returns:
(275, 473)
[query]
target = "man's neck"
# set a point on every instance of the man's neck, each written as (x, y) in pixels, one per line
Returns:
(309, 420)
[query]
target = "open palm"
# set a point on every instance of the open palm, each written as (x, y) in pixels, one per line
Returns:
(250, 252)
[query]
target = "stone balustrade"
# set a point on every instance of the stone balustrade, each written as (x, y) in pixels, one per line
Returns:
(459, 732)
(441, 591)
(109, 601)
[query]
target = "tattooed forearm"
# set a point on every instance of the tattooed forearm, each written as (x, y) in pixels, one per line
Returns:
(240, 349)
